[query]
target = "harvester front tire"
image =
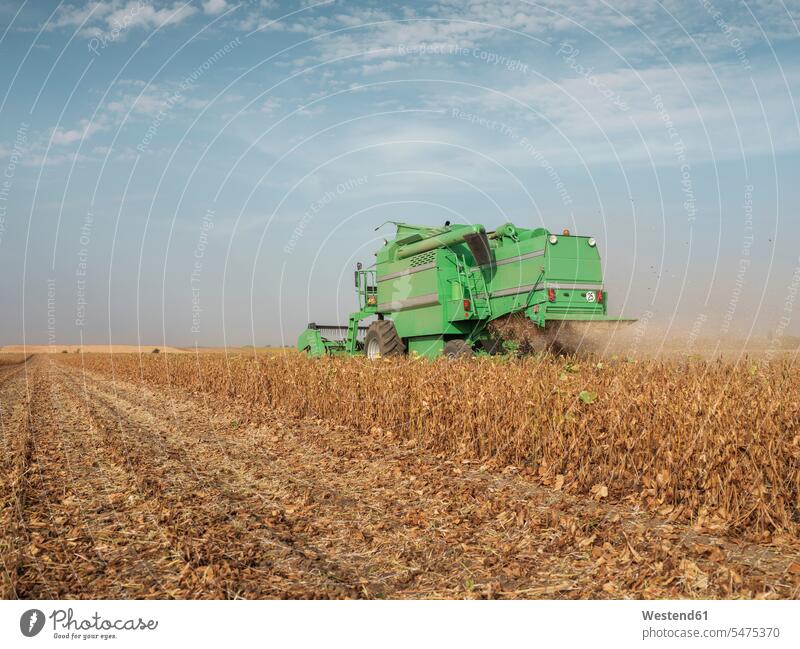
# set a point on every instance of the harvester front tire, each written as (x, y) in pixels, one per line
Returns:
(492, 346)
(382, 340)
(457, 348)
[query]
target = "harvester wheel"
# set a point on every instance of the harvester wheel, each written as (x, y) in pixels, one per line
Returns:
(382, 340)
(492, 346)
(457, 348)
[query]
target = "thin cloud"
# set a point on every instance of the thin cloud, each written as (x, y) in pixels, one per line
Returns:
(116, 18)
(214, 7)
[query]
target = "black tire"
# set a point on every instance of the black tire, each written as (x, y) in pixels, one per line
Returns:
(382, 340)
(458, 348)
(492, 346)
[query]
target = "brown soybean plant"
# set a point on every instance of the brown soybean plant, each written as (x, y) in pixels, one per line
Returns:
(706, 441)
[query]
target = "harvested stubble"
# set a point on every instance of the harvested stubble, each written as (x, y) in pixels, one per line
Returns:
(713, 442)
(15, 452)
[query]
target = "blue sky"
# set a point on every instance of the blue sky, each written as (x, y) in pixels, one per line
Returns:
(209, 172)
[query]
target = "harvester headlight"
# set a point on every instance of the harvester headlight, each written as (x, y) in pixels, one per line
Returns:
(592, 242)
(553, 239)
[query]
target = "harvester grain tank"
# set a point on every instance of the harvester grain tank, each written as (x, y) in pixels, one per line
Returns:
(434, 291)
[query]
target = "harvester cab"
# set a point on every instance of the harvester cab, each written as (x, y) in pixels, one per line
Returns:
(434, 291)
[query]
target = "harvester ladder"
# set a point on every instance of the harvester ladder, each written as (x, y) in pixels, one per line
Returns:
(353, 328)
(479, 293)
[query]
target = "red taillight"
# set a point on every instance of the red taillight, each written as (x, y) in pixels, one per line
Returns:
(551, 294)
(466, 305)
(599, 297)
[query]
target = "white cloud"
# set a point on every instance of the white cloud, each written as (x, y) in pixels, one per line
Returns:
(214, 7)
(148, 103)
(136, 83)
(196, 104)
(706, 106)
(115, 18)
(74, 16)
(384, 66)
(65, 137)
(60, 136)
(270, 106)
(454, 23)
(39, 160)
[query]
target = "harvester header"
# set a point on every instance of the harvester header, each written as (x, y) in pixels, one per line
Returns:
(433, 291)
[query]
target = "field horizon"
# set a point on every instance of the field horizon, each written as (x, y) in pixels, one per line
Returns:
(634, 341)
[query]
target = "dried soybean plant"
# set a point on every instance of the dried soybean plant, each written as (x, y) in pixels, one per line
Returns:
(705, 441)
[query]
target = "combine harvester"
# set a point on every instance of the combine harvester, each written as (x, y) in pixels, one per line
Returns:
(434, 291)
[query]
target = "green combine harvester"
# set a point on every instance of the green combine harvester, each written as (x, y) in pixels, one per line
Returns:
(434, 291)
